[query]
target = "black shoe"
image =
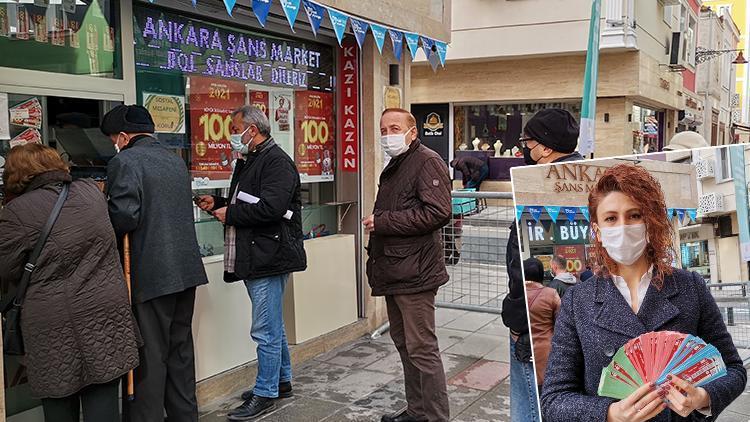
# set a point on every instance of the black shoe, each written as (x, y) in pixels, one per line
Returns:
(402, 416)
(254, 408)
(285, 391)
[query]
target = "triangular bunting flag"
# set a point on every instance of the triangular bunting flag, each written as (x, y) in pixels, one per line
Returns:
(519, 211)
(360, 30)
(693, 214)
(229, 4)
(670, 213)
(315, 14)
(442, 50)
(553, 212)
(378, 32)
(261, 8)
(570, 212)
(412, 40)
(535, 211)
(291, 9)
(680, 215)
(397, 38)
(338, 20)
(585, 212)
(427, 45)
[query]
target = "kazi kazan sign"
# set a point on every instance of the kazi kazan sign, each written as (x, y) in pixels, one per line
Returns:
(171, 42)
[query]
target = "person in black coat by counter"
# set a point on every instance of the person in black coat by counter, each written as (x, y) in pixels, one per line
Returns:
(150, 199)
(263, 246)
(636, 291)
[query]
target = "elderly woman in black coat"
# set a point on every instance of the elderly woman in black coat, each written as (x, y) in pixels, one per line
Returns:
(635, 292)
(78, 330)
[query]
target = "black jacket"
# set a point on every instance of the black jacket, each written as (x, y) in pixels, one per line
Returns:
(470, 168)
(514, 303)
(150, 198)
(267, 243)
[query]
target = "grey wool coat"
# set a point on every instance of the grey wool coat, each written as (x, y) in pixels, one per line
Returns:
(595, 321)
(150, 198)
(76, 321)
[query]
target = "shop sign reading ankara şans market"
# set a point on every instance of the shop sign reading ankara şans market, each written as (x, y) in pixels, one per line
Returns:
(171, 42)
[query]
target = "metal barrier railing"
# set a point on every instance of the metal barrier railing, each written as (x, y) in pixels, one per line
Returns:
(474, 245)
(733, 300)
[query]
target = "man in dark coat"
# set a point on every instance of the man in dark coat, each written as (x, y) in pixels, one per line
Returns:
(264, 244)
(406, 260)
(473, 171)
(563, 279)
(150, 199)
(551, 136)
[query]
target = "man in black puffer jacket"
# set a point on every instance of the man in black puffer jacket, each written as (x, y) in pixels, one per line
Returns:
(551, 136)
(264, 244)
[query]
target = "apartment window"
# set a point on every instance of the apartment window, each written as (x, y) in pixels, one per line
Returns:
(688, 27)
(668, 11)
(723, 165)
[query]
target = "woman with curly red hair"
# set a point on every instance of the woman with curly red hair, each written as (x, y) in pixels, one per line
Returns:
(636, 291)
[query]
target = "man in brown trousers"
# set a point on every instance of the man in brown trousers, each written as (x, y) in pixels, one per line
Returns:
(406, 262)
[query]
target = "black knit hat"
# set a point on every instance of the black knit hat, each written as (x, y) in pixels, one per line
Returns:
(127, 119)
(554, 128)
(533, 270)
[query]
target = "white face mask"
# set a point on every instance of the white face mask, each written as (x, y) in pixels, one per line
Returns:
(395, 145)
(626, 243)
(235, 140)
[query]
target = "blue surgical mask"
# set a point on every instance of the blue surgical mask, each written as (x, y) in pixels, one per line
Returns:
(235, 140)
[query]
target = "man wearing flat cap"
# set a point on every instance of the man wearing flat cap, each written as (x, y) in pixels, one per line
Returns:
(551, 136)
(150, 199)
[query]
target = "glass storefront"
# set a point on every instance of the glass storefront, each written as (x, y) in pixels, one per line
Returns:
(191, 74)
(647, 130)
(480, 127)
(79, 37)
(695, 257)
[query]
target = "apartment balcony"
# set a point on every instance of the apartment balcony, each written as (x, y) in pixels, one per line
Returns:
(711, 204)
(704, 169)
(619, 26)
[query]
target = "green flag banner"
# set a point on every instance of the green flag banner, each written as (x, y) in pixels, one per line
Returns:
(588, 109)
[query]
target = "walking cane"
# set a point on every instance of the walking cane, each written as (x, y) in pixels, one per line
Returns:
(126, 265)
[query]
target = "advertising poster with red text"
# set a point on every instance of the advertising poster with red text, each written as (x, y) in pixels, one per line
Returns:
(211, 103)
(259, 100)
(575, 254)
(314, 136)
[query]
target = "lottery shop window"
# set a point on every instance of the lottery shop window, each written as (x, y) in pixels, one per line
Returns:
(79, 37)
(192, 74)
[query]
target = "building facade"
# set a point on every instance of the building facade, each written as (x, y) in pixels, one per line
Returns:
(738, 9)
(718, 32)
(647, 70)
(191, 64)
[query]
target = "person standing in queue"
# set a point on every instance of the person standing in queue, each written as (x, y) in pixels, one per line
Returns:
(150, 200)
(264, 244)
(406, 262)
(551, 136)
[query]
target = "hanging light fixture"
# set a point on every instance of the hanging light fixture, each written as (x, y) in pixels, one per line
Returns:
(740, 59)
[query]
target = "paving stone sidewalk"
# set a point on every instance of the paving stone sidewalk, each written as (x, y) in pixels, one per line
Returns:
(363, 380)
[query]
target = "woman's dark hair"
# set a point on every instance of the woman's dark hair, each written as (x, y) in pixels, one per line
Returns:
(637, 183)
